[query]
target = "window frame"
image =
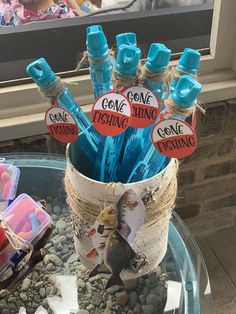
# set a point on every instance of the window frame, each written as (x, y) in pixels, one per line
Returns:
(65, 38)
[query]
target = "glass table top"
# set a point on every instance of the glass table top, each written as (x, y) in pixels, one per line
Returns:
(179, 285)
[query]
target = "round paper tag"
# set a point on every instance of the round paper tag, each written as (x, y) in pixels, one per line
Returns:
(111, 114)
(145, 106)
(61, 125)
(174, 138)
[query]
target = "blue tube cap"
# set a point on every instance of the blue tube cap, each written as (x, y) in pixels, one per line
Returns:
(127, 59)
(41, 72)
(158, 58)
(96, 42)
(186, 91)
(189, 61)
(129, 39)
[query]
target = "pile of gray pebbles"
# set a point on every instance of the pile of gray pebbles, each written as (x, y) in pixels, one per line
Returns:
(146, 295)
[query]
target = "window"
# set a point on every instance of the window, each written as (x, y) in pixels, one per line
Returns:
(62, 41)
(22, 108)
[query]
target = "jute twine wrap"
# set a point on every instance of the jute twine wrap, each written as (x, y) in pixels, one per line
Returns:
(86, 199)
(120, 80)
(89, 211)
(174, 109)
(53, 89)
(146, 74)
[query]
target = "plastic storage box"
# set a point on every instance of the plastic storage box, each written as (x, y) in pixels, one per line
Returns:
(26, 219)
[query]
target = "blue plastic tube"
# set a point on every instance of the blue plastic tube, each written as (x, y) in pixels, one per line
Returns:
(100, 65)
(135, 139)
(110, 147)
(47, 81)
(150, 161)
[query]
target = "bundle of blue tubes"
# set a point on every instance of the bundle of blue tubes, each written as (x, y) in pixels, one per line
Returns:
(130, 156)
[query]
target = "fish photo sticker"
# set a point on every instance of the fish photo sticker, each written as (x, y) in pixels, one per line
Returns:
(113, 238)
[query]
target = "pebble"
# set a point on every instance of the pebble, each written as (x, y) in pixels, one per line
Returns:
(90, 307)
(42, 292)
(54, 259)
(56, 209)
(82, 312)
(152, 299)
(49, 208)
(133, 299)
(35, 275)
(63, 239)
(39, 285)
(142, 299)
(25, 284)
(88, 287)
(73, 258)
(80, 283)
(50, 267)
(148, 309)
(61, 226)
(96, 299)
(122, 298)
(158, 271)
(23, 297)
(131, 284)
(137, 308)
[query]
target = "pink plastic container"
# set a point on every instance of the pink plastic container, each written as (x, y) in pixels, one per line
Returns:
(28, 220)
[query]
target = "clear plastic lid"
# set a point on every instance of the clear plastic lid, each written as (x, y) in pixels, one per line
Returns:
(26, 218)
(9, 178)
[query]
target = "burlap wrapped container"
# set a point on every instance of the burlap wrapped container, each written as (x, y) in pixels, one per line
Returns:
(86, 198)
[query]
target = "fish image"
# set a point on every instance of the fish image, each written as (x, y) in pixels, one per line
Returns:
(104, 225)
(118, 255)
(112, 236)
(131, 214)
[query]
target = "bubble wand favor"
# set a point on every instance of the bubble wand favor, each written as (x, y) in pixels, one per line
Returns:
(100, 67)
(125, 73)
(153, 75)
(179, 105)
(52, 87)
